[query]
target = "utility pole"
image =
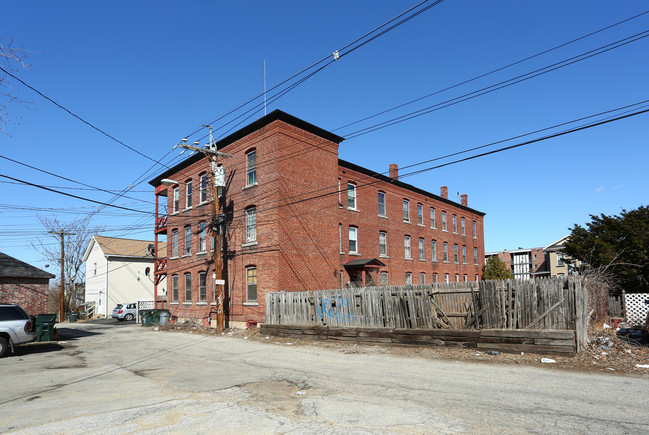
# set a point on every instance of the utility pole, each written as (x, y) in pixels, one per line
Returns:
(218, 177)
(61, 233)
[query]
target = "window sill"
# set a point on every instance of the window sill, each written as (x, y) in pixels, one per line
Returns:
(249, 186)
(188, 303)
(433, 228)
(201, 303)
(383, 216)
(173, 213)
(201, 253)
(173, 303)
(406, 222)
(422, 259)
(420, 225)
(201, 204)
(408, 259)
(187, 255)
(174, 258)
(446, 262)
(213, 303)
(187, 208)
(355, 210)
(357, 254)
(245, 245)
(251, 304)
(384, 256)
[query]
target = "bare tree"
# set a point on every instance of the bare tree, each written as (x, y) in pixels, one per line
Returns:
(75, 246)
(11, 60)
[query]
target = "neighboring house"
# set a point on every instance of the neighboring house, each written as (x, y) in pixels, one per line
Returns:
(560, 264)
(24, 285)
(118, 271)
(297, 218)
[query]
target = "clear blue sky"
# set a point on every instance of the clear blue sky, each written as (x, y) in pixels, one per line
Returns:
(149, 73)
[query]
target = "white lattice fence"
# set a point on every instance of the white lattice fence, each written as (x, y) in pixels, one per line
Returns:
(144, 305)
(636, 308)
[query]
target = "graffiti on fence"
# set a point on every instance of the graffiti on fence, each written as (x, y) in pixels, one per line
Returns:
(338, 308)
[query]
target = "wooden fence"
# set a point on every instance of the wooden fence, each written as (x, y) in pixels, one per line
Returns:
(547, 303)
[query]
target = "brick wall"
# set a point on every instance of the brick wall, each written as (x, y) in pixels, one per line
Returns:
(31, 295)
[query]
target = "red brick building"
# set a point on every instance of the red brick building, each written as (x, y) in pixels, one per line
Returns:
(24, 285)
(297, 218)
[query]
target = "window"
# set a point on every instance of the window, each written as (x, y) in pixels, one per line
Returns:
(476, 278)
(446, 278)
(408, 278)
(463, 227)
(465, 278)
(202, 237)
(433, 222)
(433, 248)
(251, 168)
(382, 204)
(188, 241)
(174, 243)
(351, 196)
(251, 225)
(422, 254)
(202, 188)
(95, 267)
(340, 238)
(434, 278)
(445, 252)
(353, 240)
(384, 278)
(474, 231)
(383, 244)
(406, 210)
(188, 287)
(454, 224)
(420, 214)
(422, 278)
(463, 254)
(406, 247)
(176, 199)
(202, 286)
(559, 260)
(174, 288)
(251, 284)
(444, 221)
(457, 278)
(188, 194)
(340, 203)
(475, 256)
(455, 253)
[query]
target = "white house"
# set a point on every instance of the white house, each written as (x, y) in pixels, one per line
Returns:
(119, 271)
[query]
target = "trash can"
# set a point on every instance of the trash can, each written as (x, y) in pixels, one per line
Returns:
(155, 316)
(73, 317)
(165, 317)
(146, 317)
(44, 327)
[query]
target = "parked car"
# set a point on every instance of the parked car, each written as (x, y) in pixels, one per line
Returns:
(16, 327)
(125, 311)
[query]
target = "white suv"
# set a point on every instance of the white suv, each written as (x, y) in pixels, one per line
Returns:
(16, 327)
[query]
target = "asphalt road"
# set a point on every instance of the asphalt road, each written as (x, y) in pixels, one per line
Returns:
(131, 379)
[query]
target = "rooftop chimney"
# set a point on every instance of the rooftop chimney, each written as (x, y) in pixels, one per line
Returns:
(444, 192)
(394, 171)
(465, 200)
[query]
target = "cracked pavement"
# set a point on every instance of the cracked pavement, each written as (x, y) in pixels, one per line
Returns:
(131, 379)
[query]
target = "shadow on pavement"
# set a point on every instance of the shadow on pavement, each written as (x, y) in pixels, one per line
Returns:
(75, 334)
(31, 348)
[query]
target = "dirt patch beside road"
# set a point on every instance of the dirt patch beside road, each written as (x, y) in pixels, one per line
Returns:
(606, 352)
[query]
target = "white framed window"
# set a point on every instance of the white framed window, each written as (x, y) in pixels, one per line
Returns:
(464, 254)
(463, 227)
(444, 227)
(433, 221)
(559, 260)
(475, 234)
(383, 244)
(406, 247)
(202, 237)
(251, 224)
(188, 241)
(174, 288)
(446, 278)
(174, 243)
(454, 224)
(455, 253)
(188, 194)
(434, 278)
(188, 287)
(408, 278)
(251, 167)
(353, 240)
(202, 188)
(340, 238)
(465, 278)
(384, 278)
(202, 286)
(475, 256)
(382, 204)
(457, 278)
(340, 203)
(422, 278)
(351, 196)
(420, 214)
(476, 278)
(433, 249)
(422, 253)
(406, 210)
(445, 252)
(251, 284)
(176, 199)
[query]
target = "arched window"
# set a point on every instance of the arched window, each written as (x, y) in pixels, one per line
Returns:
(251, 224)
(251, 167)
(251, 284)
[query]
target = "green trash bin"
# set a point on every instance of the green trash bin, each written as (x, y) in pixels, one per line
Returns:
(155, 314)
(146, 317)
(44, 327)
(73, 317)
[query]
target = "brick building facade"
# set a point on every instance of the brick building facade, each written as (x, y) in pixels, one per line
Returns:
(24, 285)
(297, 218)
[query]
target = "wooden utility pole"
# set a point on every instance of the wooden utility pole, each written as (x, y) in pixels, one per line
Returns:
(218, 182)
(61, 233)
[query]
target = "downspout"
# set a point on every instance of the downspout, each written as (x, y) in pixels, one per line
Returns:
(106, 284)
